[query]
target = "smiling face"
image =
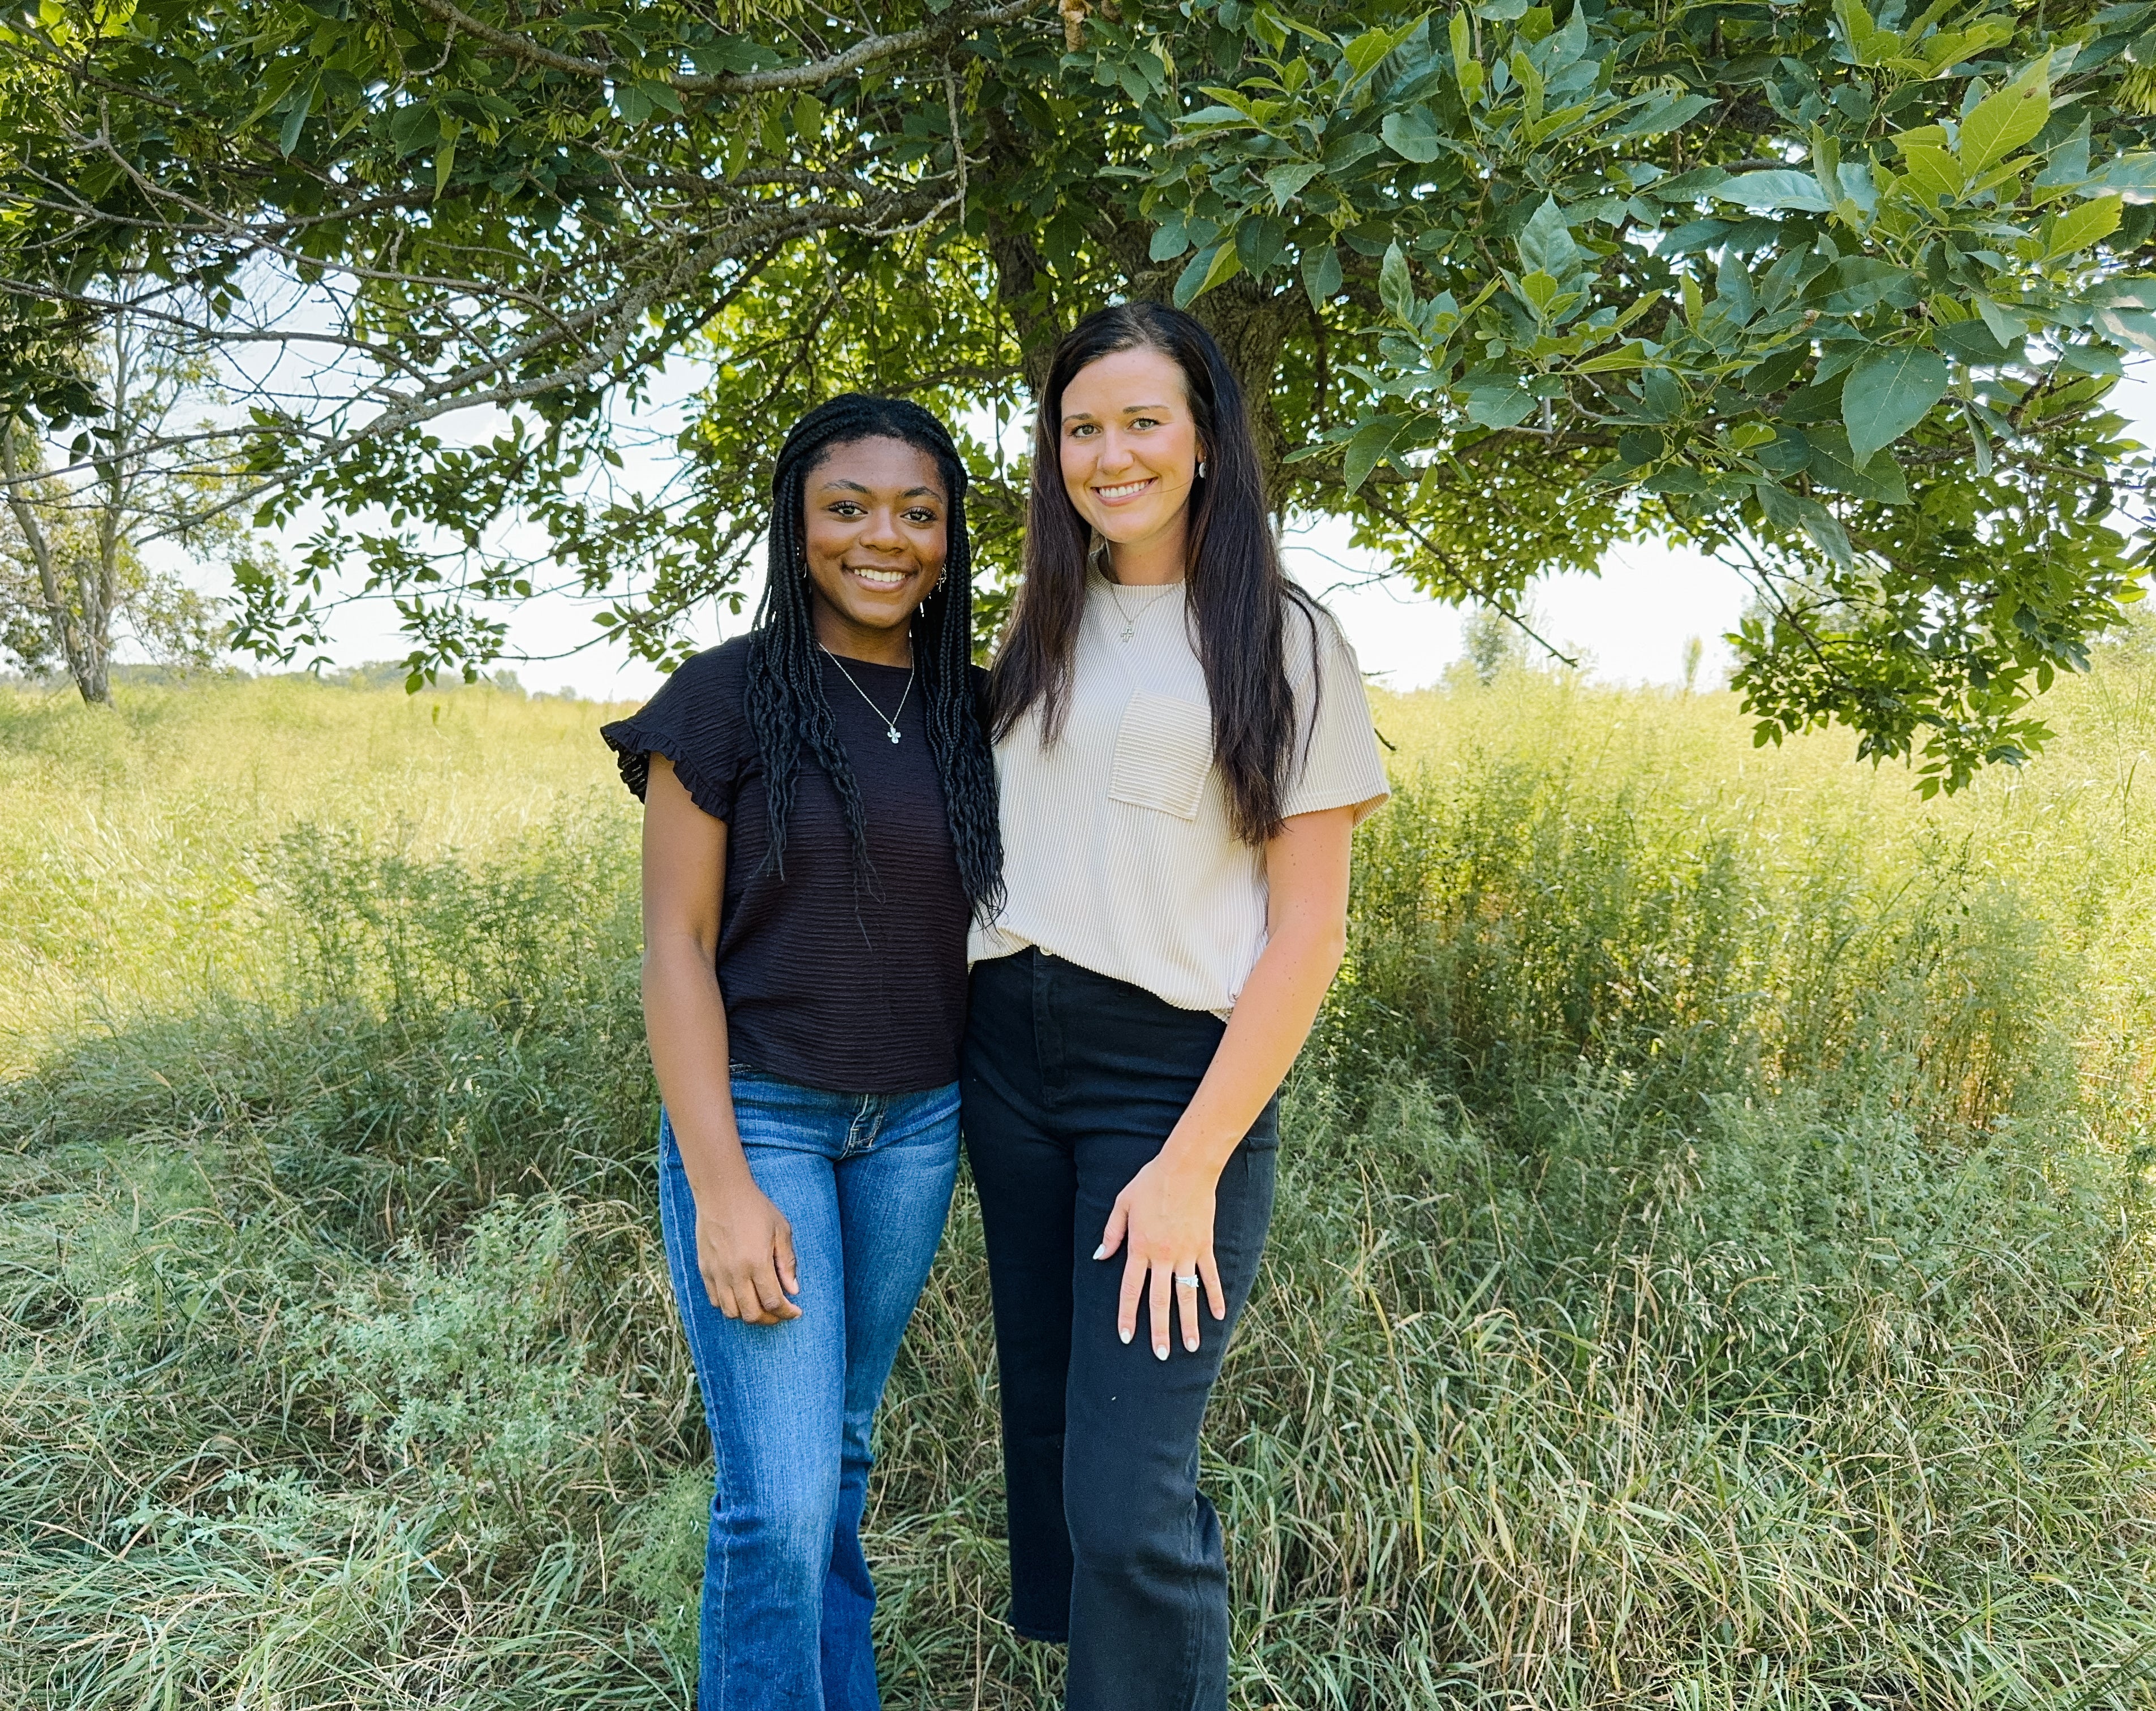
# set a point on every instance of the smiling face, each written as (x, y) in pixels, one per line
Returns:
(1129, 450)
(875, 532)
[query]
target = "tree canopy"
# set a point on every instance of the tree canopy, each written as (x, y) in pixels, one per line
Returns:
(1839, 294)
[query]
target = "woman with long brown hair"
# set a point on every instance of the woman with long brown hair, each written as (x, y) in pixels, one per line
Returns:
(1184, 747)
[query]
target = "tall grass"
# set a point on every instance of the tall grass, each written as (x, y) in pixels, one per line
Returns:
(1712, 1267)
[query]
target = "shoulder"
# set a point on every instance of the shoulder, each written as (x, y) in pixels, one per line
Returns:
(705, 689)
(1313, 639)
(715, 671)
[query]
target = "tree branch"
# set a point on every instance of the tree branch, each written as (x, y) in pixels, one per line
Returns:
(739, 83)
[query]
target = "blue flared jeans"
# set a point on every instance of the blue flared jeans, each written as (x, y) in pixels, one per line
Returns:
(865, 1181)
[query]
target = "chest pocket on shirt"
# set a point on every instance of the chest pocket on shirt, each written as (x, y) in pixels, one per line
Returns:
(1163, 751)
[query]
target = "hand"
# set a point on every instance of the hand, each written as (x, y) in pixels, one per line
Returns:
(745, 1251)
(1165, 1214)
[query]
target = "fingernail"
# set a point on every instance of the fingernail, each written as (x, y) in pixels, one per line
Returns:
(1125, 1335)
(1160, 1351)
(1101, 1253)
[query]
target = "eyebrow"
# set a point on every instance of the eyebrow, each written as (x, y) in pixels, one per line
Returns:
(856, 487)
(1127, 410)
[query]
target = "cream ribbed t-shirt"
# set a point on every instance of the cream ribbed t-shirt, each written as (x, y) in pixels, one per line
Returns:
(1118, 852)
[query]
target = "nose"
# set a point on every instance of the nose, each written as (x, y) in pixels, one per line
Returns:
(1115, 452)
(882, 531)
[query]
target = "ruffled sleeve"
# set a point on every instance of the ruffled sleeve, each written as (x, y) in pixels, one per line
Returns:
(695, 721)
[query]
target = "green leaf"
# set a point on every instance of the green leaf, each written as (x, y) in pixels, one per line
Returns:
(414, 128)
(1286, 182)
(1832, 465)
(1412, 134)
(1866, 40)
(1505, 405)
(1395, 286)
(1971, 341)
(1214, 117)
(2005, 326)
(295, 121)
(1933, 168)
(1857, 282)
(1688, 186)
(2134, 328)
(2134, 175)
(1259, 242)
(1545, 243)
(1367, 448)
(1368, 51)
(1773, 189)
(1661, 116)
(1569, 45)
(1169, 238)
(2003, 120)
(1887, 394)
(2078, 228)
(2126, 291)
(1466, 69)
(1321, 273)
(1205, 270)
(1788, 510)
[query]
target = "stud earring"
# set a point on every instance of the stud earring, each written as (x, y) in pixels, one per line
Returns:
(1201, 468)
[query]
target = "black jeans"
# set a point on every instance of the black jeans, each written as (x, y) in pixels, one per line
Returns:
(1071, 1081)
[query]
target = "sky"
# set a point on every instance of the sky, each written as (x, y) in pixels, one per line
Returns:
(1628, 625)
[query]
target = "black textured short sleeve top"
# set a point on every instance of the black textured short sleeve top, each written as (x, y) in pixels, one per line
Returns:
(830, 979)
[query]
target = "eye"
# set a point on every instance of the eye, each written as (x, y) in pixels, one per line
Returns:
(1083, 430)
(1145, 421)
(845, 508)
(920, 516)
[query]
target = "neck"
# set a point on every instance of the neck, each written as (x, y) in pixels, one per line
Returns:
(1157, 560)
(849, 640)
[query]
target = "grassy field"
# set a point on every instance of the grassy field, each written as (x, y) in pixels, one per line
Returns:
(1713, 1266)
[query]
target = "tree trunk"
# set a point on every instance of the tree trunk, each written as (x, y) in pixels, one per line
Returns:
(85, 642)
(1018, 288)
(1250, 326)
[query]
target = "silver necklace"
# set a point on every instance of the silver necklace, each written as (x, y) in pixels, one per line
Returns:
(890, 723)
(1130, 619)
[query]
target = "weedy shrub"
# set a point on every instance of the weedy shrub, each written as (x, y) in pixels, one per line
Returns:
(475, 1371)
(1513, 918)
(1712, 1267)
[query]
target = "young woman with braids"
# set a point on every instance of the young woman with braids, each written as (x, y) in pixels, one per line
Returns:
(1183, 747)
(819, 826)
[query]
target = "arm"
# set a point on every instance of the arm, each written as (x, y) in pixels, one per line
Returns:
(1166, 1212)
(744, 1245)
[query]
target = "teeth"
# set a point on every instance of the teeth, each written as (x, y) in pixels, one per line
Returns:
(1127, 487)
(880, 579)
